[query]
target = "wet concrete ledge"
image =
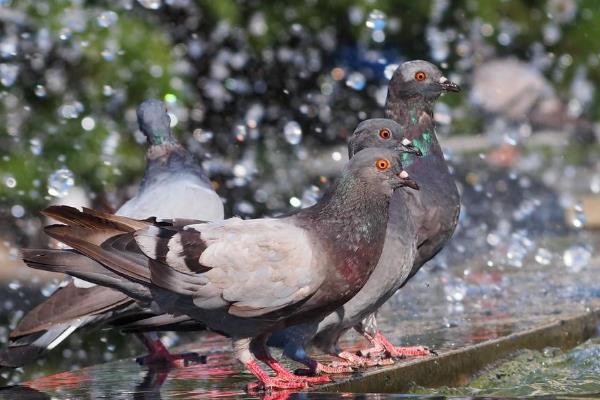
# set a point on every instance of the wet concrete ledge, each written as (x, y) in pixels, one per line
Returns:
(456, 367)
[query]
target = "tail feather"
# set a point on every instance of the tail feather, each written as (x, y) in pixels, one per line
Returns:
(78, 265)
(29, 347)
(164, 322)
(93, 219)
(97, 246)
(70, 303)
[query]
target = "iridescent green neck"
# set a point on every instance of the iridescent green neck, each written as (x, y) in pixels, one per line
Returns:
(158, 137)
(416, 116)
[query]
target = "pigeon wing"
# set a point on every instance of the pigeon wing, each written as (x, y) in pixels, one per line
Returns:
(252, 267)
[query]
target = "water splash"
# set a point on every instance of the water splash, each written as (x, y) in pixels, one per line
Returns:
(60, 182)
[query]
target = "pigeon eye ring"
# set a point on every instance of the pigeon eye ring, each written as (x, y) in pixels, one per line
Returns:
(385, 133)
(420, 76)
(382, 164)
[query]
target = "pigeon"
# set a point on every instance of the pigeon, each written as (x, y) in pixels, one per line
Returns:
(420, 223)
(242, 278)
(529, 98)
(174, 184)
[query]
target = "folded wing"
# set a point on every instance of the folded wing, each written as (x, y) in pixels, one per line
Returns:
(251, 267)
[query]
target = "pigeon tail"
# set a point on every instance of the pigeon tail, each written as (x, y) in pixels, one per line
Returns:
(75, 264)
(28, 348)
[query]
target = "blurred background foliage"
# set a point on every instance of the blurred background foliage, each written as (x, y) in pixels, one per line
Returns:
(235, 73)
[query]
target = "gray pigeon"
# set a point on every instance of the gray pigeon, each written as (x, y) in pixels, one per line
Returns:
(242, 278)
(174, 185)
(420, 222)
(511, 91)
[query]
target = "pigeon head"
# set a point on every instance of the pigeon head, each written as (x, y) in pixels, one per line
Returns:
(154, 122)
(380, 132)
(419, 79)
(381, 169)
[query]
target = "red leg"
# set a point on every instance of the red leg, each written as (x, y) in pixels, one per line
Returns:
(267, 382)
(159, 355)
(383, 347)
(262, 353)
(349, 364)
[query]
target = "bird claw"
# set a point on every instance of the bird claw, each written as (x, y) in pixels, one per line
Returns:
(275, 383)
(384, 348)
(412, 351)
(329, 369)
(171, 360)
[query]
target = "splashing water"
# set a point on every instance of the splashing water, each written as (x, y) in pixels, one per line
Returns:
(292, 132)
(60, 182)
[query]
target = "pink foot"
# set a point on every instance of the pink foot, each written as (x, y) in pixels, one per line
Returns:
(287, 375)
(267, 383)
(282, 373)
(384, 348)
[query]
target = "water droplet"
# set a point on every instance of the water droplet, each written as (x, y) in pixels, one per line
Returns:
(577, 257)
(378, 36)
(455, 290)
(8, 74)
(14, 285)
(295, 202)
(35, 145)
(88, 123)
(356, 81)
(310, 196)
(552, 33)
(240, 171)
(151, 4)
(389, 70)
(8, 47)
(244, 207)
(258, 24)
(543, 256)
(107, 90)
(40, 91)
(203, 136)
(376, 20)
(17, 211)
(60, 182)
(292, 132)
(240, 133)
(579, 218)
(10, 182)
(174, 120)
(254, 115)
(64, 34)
(71, 110)
(107, 18)
(108, 55)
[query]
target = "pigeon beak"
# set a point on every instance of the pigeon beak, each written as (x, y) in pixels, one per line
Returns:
(407, 146)
(448, 86)
(406, 181)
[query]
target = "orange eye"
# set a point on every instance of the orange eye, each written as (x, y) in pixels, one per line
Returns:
(420, 76)
(385, 133)
(382, 164)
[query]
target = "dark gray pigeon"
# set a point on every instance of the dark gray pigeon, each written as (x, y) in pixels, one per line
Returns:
(174, 185)
(242, 278)
(420, 222)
